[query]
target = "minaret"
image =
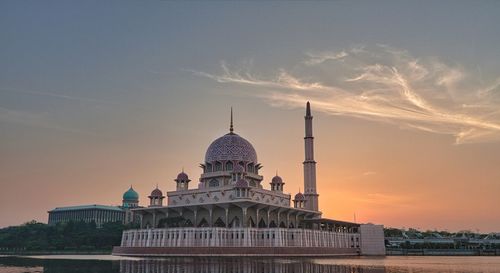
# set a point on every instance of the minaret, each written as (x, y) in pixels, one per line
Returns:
(310, 194)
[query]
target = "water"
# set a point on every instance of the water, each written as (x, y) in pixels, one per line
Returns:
(111, 264)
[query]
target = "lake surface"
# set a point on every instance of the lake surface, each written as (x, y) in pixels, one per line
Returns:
(111, 264)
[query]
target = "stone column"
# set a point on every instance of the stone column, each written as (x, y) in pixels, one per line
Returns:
(244, 220)
(227, 216)
(211, 220)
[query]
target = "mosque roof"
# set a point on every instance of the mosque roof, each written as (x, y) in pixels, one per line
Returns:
(84, 207)
(156, 193)
(299, 197)
(131, 194)
(277, 180)
(182, 176)
(231, 147)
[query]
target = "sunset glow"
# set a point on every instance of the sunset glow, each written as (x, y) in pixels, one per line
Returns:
(406, 116)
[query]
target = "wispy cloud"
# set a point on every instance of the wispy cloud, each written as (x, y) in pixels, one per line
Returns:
(383, 84)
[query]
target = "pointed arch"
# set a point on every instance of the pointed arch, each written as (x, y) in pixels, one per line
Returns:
(235, 222)
(219, 223)
(250, 222)
(282, 224)
(188, 223)
(203, 223)
(272, 224)
(262, 223)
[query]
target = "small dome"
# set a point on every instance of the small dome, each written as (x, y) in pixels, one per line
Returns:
(242, 183)
(238, 169)
(156, 193)
(277, 180)
(231, 147)
(131, 195)
(182, 177)
(299, 197)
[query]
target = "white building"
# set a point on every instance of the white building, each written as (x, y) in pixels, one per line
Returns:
(231, 213)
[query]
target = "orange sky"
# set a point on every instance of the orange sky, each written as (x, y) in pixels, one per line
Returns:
(405, 100)
(381, 173)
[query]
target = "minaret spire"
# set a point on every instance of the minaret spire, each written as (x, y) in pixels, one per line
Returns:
(231, 129)
(310, 193)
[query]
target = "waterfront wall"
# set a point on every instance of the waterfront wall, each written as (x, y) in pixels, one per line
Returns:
(239, 237)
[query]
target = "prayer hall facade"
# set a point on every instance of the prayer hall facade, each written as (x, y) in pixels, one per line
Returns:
(231, 213)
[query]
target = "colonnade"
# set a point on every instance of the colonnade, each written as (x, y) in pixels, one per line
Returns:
(238, 237)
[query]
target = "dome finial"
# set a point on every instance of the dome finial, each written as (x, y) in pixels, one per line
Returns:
(231, 129)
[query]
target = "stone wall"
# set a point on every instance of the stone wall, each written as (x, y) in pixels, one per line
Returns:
(372, 239)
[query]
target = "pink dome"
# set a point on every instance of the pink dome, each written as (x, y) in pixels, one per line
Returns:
(182, 177)
(277, 180)
(231, 147)
(242, 183)
(156, 193)
(299, 197)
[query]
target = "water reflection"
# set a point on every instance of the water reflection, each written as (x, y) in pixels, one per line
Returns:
(112, 264)
(179, 265)
(240, 265)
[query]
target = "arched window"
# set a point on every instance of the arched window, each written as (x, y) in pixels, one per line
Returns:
(250, 168)
(229, 166)
(208, 168)
(213, 183)
(218, 166)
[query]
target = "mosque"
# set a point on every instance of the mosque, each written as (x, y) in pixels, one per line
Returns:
(230, 212)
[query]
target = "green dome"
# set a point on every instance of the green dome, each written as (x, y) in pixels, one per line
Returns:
(131, 194)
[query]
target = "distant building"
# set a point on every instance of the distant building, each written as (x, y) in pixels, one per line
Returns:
(99, 214)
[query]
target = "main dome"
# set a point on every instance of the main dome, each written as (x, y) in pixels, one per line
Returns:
(231, 147)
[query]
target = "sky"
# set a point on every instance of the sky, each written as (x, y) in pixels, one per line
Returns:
(97, 96)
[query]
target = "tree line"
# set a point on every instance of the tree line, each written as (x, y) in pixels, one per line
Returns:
(73, 236)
